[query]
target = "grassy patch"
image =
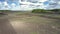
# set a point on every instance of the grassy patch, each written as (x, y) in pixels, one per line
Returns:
(33, 33)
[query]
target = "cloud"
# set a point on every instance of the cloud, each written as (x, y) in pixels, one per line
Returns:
(5, 3)
(53, 4)
(29, 4)
(13, 4)
(59, 2)
(4, 6)
(0, 3)
(43, 0)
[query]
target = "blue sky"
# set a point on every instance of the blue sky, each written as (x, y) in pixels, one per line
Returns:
(29, 4)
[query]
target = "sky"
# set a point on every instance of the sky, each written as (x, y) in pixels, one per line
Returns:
(29, 4)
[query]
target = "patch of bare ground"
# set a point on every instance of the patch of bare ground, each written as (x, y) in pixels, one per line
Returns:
(32, 24)
(29, 24)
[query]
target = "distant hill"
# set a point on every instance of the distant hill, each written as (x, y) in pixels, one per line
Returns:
(46, 11)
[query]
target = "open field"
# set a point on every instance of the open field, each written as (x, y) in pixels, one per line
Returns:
(29, 23)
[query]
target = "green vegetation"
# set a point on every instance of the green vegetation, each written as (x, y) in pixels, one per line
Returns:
(38, 11)
(56, 11)
(4, 10)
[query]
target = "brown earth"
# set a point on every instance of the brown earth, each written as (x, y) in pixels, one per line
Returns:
(28, 24)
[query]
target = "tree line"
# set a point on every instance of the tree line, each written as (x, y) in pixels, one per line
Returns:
(56, 11)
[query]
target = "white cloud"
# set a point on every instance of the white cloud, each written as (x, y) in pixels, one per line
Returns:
(0, 3)
(16, 8)
(4, 6)
(59, 2)
(53, 4)
(28, 4)
(43, 0)
(13, 4)
(5, 3)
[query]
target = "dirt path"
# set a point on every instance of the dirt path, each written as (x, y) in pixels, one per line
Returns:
(25, 24)
(5, 26)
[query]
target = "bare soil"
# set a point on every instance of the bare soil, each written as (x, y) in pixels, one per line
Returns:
(28, 24)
